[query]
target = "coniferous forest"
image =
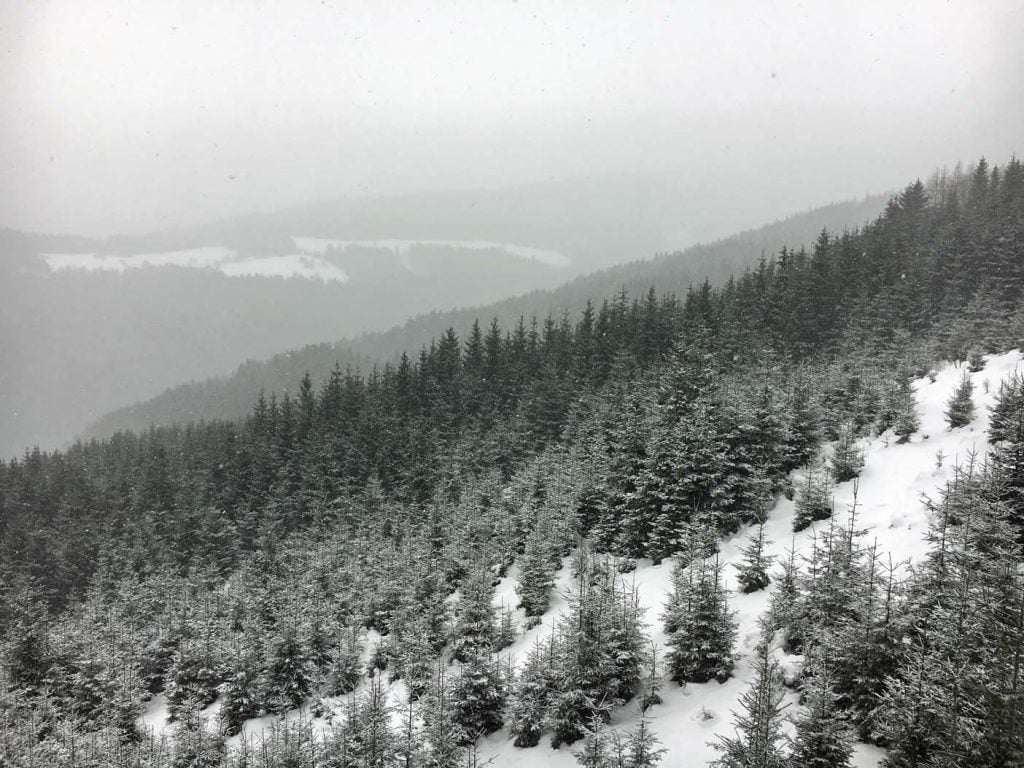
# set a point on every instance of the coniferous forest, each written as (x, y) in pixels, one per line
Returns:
(336, 554)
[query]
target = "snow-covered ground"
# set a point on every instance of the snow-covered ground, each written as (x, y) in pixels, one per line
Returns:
(319, 245)
(890, 498)
(890, 505)
(307, 262)
(300, 265)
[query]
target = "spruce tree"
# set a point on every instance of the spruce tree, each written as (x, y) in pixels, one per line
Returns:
(906, 421)
(599, 652)
(475, 630)
(814, 499)
(847, 459)
(477, 698)
(371, 740)
(289, 674)
(758, 738)
(960, 406)
(535, 575)
(242, 694)
(344, 664)
(444, 735)
(528, 707)
(823, 738)
(702, 629)
(195, 744)
(642, 747)
(753, 570)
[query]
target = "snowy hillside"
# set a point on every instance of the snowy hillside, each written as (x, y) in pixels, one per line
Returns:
(890, 505)
(891, 493)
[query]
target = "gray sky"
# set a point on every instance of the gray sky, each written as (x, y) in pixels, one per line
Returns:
(129, 116)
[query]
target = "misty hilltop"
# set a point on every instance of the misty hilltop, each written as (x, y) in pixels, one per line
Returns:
(231, 396)
(91, 325)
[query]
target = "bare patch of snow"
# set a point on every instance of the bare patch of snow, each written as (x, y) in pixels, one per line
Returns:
(227, 261)
(319, 246)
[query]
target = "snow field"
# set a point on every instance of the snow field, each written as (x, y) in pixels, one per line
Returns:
(225, 260)
(319, 246)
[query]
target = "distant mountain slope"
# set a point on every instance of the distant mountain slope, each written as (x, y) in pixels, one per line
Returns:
(91, 324)
(232, 396)
(82, 332)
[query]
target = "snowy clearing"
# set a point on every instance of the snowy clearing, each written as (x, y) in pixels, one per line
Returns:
(225, 260)
(317, 245)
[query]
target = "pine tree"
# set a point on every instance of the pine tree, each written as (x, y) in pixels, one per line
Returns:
(475, 630)
(753, 571)
(702, 630)
(782, 606)
(960, 407)
(596, 751)
(477, 698)
(528, 707)
(289, 675)
(823, 739)
(803, 435)
(599, 652)
(906, 421)
(242, 694)
(758, 727)
(814, 500)
(535, 575)
(637, 749)
(344, 663)
(956, 698)
(193, 676)
(371, 739)
(195, 744)
(442, 732)
(642, 750)
(847, 460)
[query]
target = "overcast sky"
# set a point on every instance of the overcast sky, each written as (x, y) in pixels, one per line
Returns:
(129, 116)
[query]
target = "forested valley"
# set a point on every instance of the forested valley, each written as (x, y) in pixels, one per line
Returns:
(329, 565)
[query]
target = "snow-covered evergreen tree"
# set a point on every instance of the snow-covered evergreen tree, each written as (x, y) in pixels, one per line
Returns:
(196, 744)
(370, 737)
(847, 459)
(906, 421)
(535, 574)
(443, 734)
(600, 651)
(477, 697)
(955, 700)
(242, 694)
(753, 570)
(758, 738)
(960, 407)
(289, 674)
(475, 630)
(533, 688)
(823, 738)
(344, 663)
(814, 499)
(193, 676)
(701, 628)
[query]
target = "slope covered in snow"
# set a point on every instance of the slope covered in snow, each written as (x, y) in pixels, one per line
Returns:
(890, 505)
(891, 494)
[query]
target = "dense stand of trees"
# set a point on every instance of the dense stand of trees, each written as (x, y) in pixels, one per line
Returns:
(260, 563)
